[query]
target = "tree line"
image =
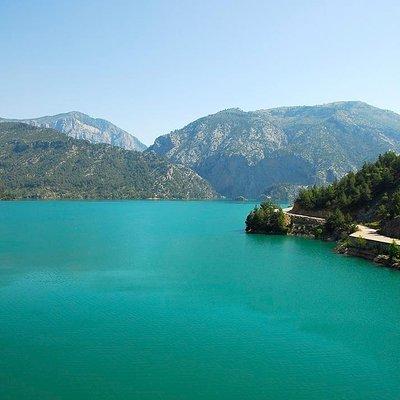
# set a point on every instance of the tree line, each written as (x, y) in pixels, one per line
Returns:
(375, 188)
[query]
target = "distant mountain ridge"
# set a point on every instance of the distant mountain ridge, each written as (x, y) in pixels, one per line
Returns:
(251, 153)
(81, 126)
(42, 163)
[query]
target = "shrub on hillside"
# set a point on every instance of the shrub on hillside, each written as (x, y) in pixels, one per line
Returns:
(338, 225)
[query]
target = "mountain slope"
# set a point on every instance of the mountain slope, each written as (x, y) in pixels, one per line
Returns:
(250, 153)
(43, 163)
(81, 126)
(372, 194)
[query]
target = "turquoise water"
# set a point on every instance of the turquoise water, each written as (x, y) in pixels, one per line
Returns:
(171, 300)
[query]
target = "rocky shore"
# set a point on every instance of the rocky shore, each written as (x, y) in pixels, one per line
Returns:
(364, 243)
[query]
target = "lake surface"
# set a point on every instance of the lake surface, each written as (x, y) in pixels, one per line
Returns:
(171, 300)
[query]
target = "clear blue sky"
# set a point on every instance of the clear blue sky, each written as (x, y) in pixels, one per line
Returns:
(153, 66)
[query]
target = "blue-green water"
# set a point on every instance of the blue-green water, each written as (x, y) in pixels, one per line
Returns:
(171, 300)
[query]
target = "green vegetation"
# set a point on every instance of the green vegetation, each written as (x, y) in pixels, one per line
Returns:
(42, 163)
(268, 218)
(394, 251)
(360, 242)
(371, 194)
(338, 225)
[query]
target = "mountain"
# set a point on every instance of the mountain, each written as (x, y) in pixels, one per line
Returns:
(81, 126)
(253, 153)
(43, 163)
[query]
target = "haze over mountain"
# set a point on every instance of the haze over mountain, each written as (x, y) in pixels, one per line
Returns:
(40, 162)
(277, 150)
(82, 126)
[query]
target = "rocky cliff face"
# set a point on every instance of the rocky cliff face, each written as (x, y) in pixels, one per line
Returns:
(248, 153)
(95, 130)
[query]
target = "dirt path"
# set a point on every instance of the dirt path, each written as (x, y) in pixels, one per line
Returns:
(288, 209)
(362, 231)
(372, 235)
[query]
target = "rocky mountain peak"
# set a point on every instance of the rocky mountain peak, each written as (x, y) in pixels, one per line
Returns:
(95, 130)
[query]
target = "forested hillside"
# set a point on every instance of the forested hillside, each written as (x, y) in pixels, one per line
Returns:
(42, 163)
(370, 195)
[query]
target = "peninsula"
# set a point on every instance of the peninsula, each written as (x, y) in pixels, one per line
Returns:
(361, 212)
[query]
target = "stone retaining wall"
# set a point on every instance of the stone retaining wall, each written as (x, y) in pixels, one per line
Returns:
(304, 225)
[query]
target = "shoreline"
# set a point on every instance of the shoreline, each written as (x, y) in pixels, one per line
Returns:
(364, 243)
